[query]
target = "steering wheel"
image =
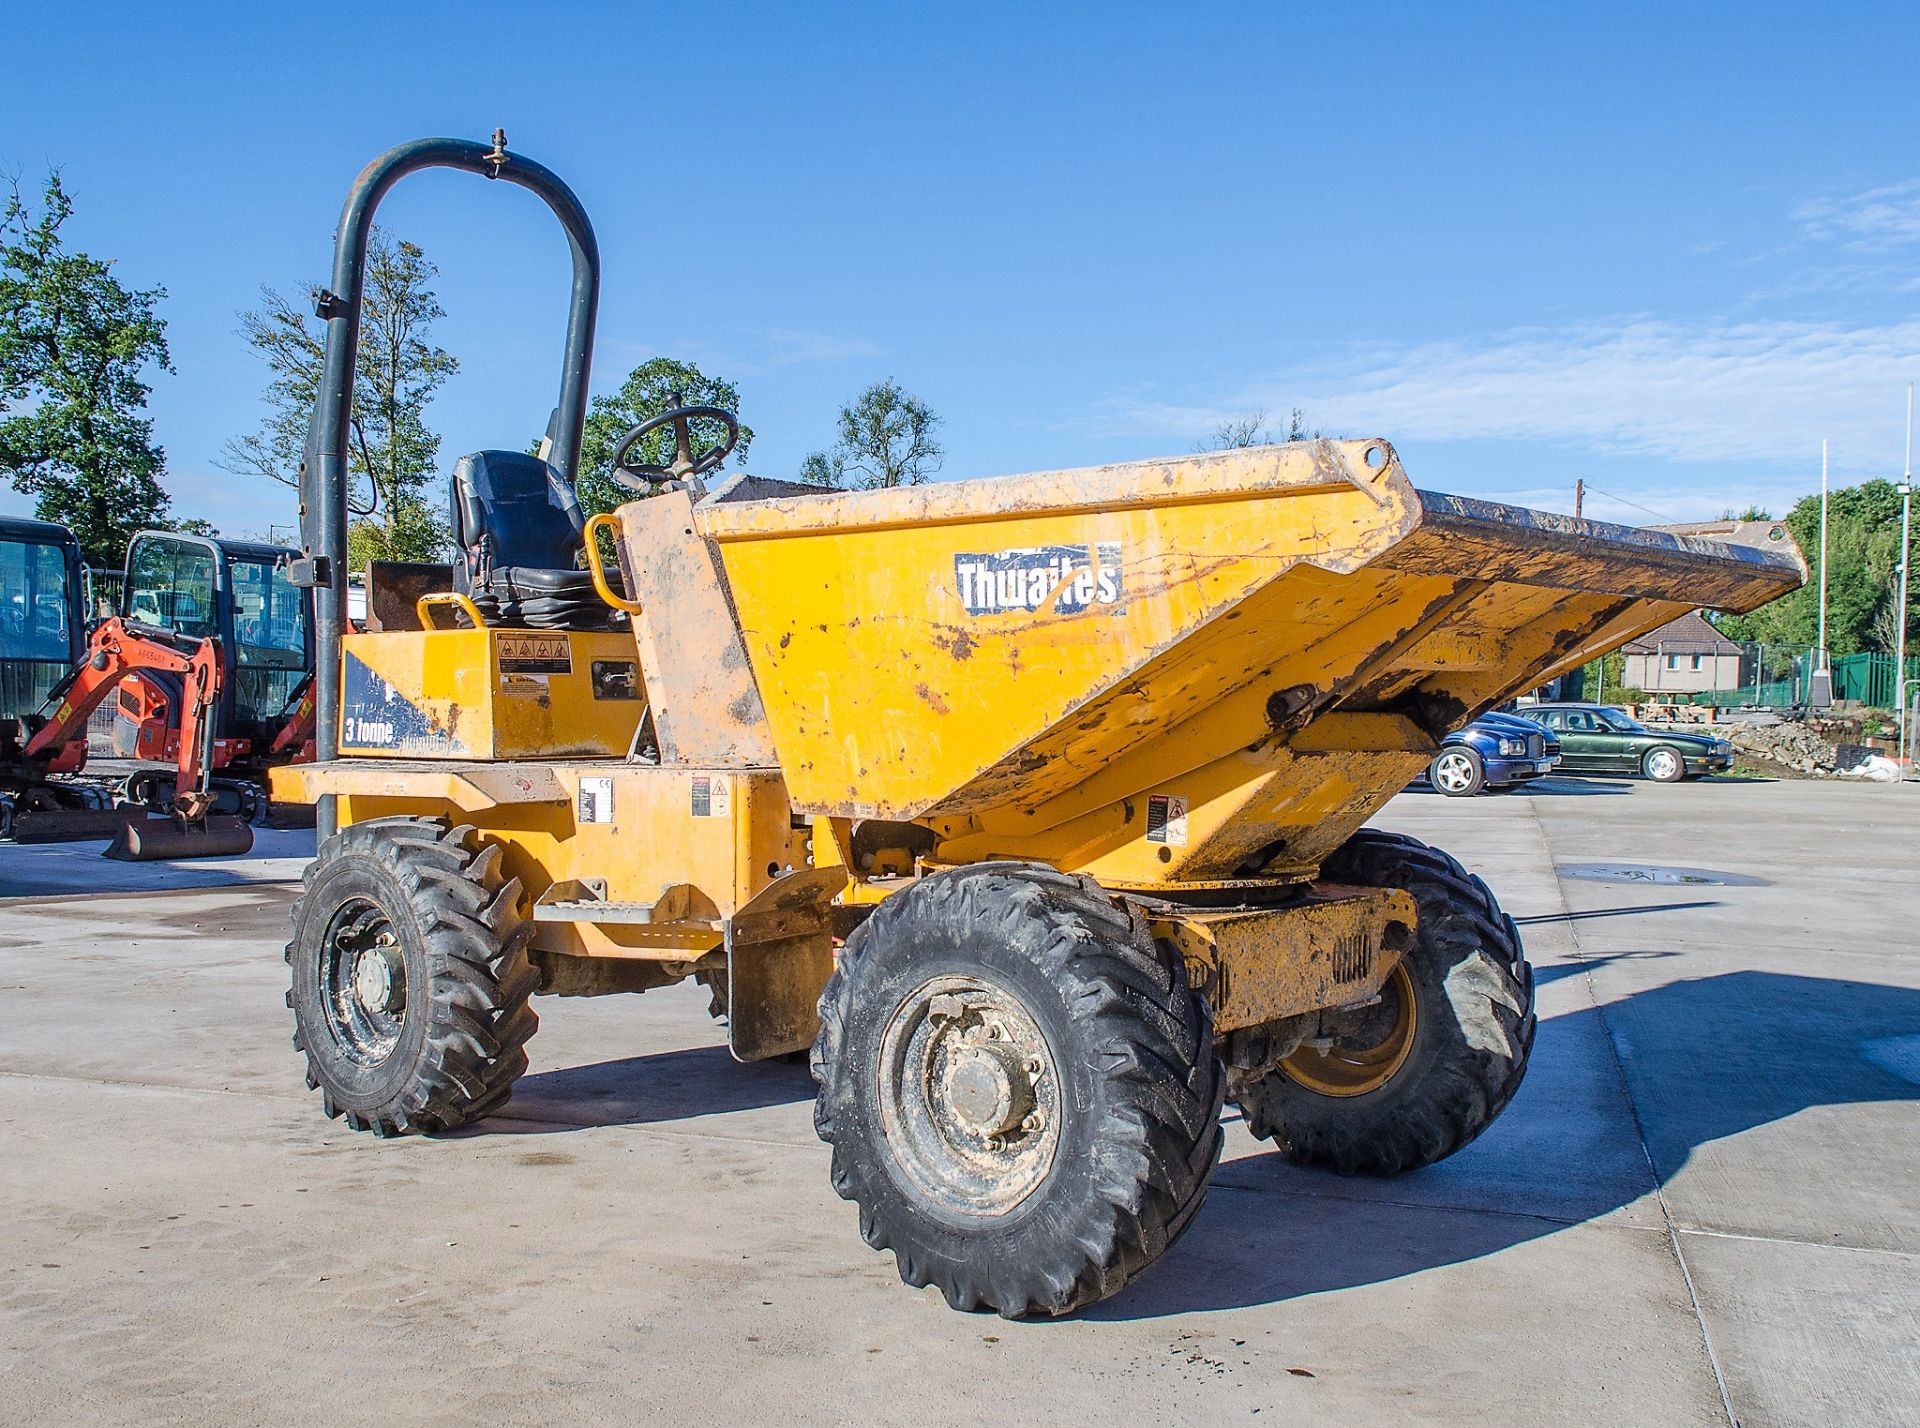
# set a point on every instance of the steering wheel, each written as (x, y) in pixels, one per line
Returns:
(644, 476)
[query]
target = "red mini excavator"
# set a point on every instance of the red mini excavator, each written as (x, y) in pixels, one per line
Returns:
(237, 593)
(116, 649)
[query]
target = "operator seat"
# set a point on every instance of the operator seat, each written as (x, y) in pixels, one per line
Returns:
(519, 531)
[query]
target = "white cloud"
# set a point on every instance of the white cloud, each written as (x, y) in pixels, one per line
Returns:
(1874, 220)
(787, 346)
(1739, 392)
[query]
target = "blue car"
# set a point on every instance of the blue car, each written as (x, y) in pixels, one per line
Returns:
(1494, 751)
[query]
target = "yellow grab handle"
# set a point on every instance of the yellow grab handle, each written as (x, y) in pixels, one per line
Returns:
(427, 604)
(606, 520)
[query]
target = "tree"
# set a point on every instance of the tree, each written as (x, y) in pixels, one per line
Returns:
(885, 439)
(398, 370)
(75, 345)
(1252, 430)
(656, 385)
(1863, 554)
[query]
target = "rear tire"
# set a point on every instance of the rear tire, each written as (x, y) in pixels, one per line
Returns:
(1019, 1088)
(1458, 773)
(1392, 1091)
(410, 976)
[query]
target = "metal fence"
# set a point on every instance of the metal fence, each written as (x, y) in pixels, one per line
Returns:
(1869, 678)
(1781, 676)
(103, 593)
(1773, 677)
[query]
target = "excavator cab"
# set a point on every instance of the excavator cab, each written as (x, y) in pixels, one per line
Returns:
(43, 617)
(233, 591)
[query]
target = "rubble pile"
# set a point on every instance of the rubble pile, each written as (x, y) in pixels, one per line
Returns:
(1787, 745)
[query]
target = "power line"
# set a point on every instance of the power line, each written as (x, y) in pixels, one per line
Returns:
(1594, 490)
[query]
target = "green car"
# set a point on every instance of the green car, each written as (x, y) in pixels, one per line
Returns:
(1595, 738)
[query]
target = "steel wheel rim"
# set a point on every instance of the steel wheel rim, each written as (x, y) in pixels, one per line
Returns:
(360, 956)
(1454, 773)
(1342, 1068)
(952, 1045)
(1660, 764)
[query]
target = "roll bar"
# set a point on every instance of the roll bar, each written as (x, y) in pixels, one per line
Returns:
(323, 472)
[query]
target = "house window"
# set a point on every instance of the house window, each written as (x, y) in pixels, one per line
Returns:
(1673, 661)
(1696, 661)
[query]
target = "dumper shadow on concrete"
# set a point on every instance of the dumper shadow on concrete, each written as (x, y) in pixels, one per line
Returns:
(1557, 1159)
(646, 1090)
(1782, 1044)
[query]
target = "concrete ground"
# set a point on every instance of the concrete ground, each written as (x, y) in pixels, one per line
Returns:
(1703, 1206)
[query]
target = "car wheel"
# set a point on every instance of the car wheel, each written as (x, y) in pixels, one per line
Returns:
(1663, 765)
(1458, 773)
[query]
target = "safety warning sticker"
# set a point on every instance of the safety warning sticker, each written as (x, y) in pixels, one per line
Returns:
(596, 800)
(712, 796)
(532, 654)
(1167, 819)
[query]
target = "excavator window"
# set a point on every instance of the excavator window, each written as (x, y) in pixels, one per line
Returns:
(33, 602)
(173, 587)
(35, 636)
(269, 639)
(269, 618)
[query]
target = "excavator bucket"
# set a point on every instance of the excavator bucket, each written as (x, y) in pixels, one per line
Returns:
(152, 840)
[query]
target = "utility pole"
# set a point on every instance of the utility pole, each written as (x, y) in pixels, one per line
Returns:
(1579, 496)
(1900, 615)
(1820, 643)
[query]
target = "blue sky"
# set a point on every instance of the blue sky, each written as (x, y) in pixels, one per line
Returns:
(1666, 248)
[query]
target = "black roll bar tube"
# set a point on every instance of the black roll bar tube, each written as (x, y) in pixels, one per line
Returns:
(324, 471)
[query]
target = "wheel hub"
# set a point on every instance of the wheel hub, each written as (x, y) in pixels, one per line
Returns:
(968, 1100)
(362, 976)
(1369, 1048)
(989, 1089)
(379, 980)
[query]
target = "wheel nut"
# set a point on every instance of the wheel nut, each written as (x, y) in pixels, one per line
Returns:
(1032, 1122)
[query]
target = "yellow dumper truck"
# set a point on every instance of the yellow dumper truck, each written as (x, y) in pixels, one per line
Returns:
(1031, 809)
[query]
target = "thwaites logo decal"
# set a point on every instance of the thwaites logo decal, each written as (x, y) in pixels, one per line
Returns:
(1067, 579)
(1167, 819)
(533, 654)
(375, 715)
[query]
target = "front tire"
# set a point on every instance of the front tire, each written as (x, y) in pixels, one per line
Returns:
(1458, 773)
(410, 976)
(1417, 1075)
(1663, 764)
(1019, 1088)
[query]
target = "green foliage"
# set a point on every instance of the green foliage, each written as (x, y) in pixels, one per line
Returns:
(408, 526)
(656, 385)
(1863, 552)
(390, 448)
(885, 439)
(74, 345)
(1611, 670)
